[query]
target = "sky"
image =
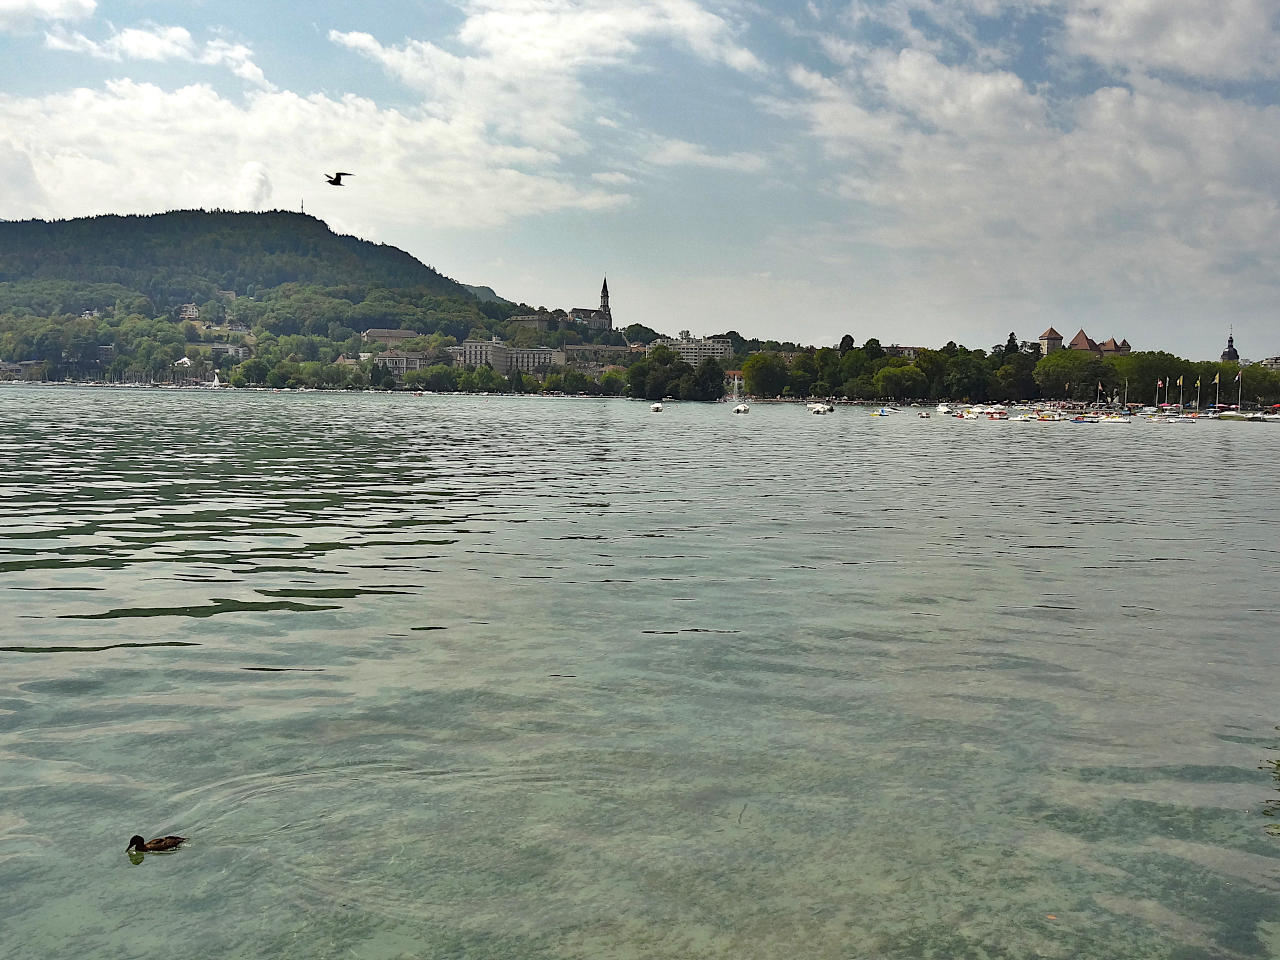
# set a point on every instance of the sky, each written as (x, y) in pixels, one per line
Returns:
(910, 170)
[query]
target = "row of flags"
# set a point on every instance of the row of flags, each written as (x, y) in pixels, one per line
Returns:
(1160, 382)
(1178, 382)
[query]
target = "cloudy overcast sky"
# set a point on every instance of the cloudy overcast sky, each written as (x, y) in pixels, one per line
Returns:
(911, 170)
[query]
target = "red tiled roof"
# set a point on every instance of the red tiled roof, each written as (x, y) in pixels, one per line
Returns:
(1051, 334)
(1081, 341)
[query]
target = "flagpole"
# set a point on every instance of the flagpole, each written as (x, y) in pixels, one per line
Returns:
(1179, 393)
(1197, 394)
(1240, 391)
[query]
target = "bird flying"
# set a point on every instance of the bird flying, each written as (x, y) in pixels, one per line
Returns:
(336, 179)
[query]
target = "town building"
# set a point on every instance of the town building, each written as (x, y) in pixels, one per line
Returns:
(398, 363)
(906, 353)
(1271, 363)
(1050, 341)
(504, 358)
(392, 338)
(601, 319)
(478, 353)
(188, 311)
(234, 350)
(534, 359)
(693, 350)
(1231, 355)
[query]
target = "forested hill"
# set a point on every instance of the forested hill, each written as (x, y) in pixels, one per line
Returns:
(188, 255)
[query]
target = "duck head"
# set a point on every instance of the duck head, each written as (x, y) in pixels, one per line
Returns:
(135, 843)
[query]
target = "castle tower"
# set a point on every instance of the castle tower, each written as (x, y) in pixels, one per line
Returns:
(604, 300)
(1231, 355)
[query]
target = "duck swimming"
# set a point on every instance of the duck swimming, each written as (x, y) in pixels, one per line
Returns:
(158, 845)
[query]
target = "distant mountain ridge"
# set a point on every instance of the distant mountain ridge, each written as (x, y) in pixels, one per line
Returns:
(189, 255)
(486, 294)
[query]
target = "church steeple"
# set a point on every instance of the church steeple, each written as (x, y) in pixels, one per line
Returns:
(1231, 355)
(604, 299)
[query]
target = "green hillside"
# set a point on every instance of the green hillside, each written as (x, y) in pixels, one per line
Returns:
(272, 298)
(188, 255)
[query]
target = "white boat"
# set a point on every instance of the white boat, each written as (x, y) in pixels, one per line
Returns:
(820, 406)
(742, 408)
(923, 414)
(655, 407)
(943, 409)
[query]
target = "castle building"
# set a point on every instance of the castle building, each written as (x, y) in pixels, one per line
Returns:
(1083, 342)
(1050, 341)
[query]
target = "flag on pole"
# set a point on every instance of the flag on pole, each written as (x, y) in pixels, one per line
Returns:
(1179, 381)
(1216, 376)
(1159, 384)
(1197, 383)
(1099, 384)
(1238, 376)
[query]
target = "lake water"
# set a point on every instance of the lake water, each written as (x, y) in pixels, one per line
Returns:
(549, 678)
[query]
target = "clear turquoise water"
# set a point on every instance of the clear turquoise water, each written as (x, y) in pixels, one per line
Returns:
(535, 678)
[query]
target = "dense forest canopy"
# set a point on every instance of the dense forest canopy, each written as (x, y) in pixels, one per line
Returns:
(188, 255)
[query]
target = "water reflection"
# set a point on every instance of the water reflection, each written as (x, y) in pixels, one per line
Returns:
(529, 678)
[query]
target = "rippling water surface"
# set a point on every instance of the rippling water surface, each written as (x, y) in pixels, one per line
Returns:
(534, 678)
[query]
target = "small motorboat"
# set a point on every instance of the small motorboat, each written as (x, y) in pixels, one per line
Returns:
(742, 408)
(655, 407)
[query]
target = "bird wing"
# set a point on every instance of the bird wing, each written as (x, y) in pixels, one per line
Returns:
(344, 174)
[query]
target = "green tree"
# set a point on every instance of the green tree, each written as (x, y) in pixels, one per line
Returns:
(1069, 374)
(765, 374)
(900, 383)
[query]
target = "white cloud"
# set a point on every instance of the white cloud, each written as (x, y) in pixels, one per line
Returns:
(1206, 38)
(253, 187)
(524, 74)
(22, 14)
(199, 149)
(967, 181)
(680, 153)
(161, 43)
(19, 177)
(612, 177)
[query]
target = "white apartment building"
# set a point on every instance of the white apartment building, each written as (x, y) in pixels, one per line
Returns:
(533, 359)
(476, 353)
(504, 359)
(693, 350)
